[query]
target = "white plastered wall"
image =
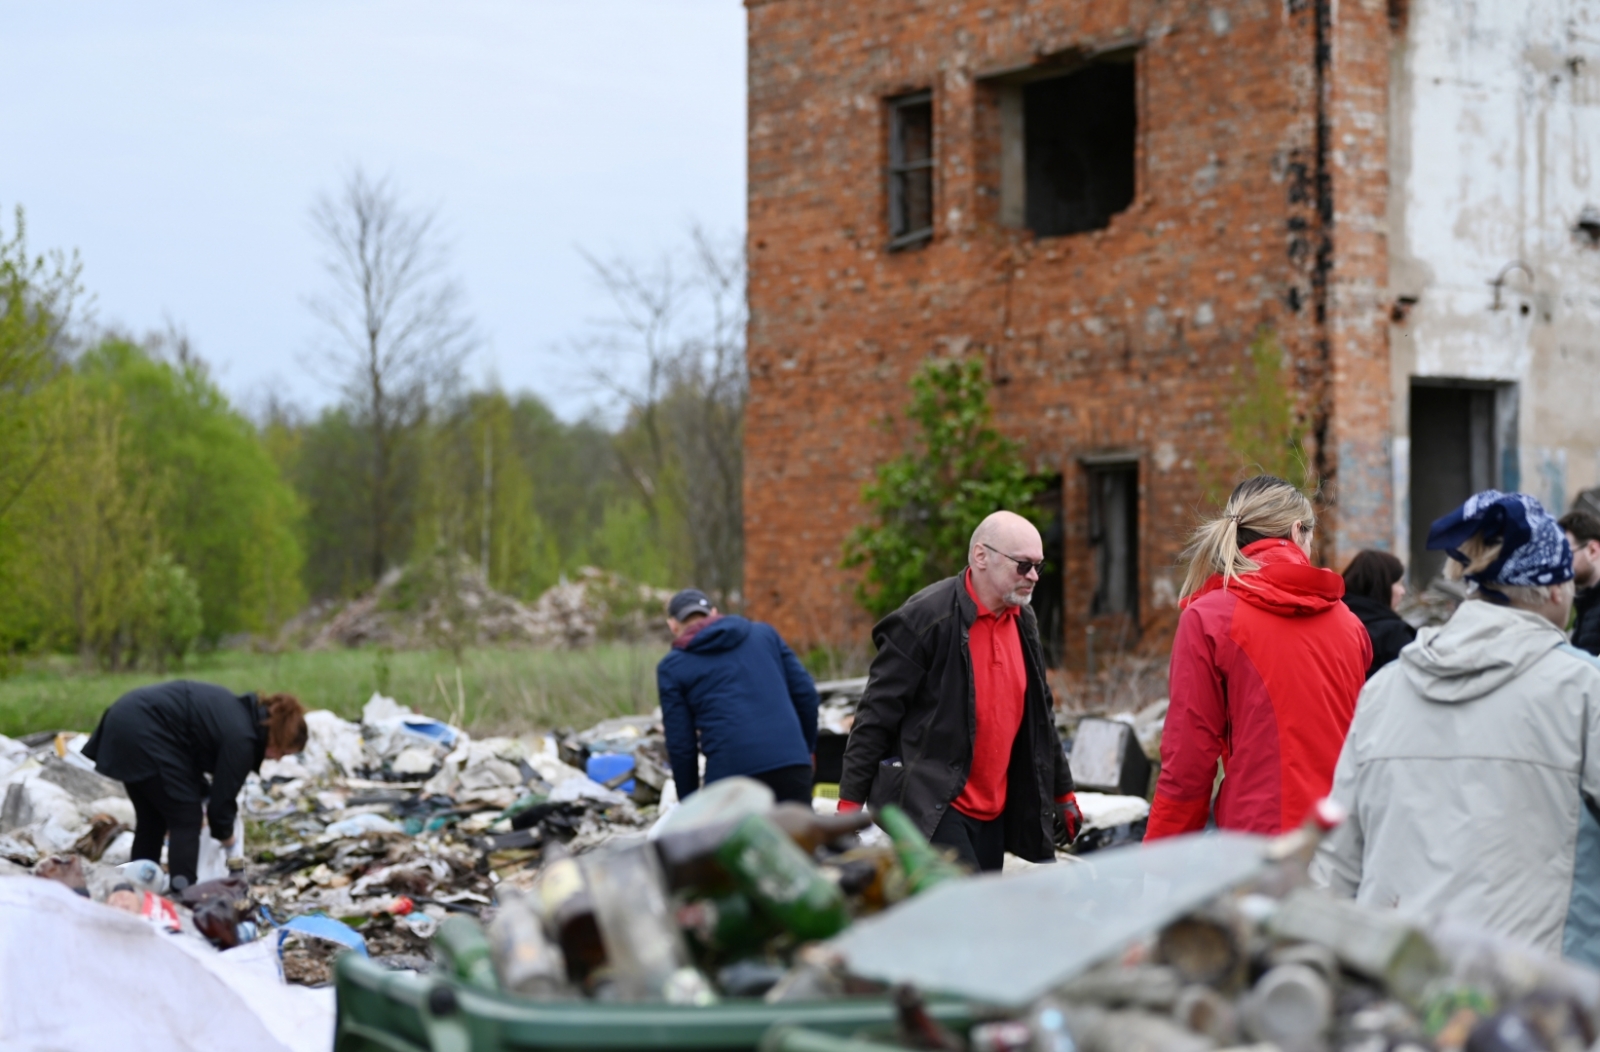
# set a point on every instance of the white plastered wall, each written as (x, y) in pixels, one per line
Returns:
(1494, 142)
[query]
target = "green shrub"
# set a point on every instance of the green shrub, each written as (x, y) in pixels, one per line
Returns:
(927, 501)
(167, 618)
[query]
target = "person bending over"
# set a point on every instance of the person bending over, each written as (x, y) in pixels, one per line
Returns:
(174, 745)
(733, 690)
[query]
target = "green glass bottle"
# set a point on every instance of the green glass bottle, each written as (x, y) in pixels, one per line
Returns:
(782, 881)
(726, 925)
(924, 866)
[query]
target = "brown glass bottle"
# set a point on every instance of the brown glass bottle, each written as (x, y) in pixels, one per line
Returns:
(563, 898)
(811, 830)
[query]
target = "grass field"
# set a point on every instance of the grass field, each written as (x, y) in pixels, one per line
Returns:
(498, 691)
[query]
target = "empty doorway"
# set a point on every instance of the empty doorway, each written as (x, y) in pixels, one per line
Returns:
(1461, 434)
(1050, 594)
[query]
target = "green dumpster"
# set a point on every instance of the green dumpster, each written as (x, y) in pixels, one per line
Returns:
(385, 1011)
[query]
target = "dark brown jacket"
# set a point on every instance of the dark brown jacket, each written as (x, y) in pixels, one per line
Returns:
(911, 743)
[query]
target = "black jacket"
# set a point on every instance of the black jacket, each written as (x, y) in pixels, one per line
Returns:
(180, 732)
(911, 743)
(1586, 623)
(1390, 633)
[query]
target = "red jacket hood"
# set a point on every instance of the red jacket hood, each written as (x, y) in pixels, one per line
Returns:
(1287, 584)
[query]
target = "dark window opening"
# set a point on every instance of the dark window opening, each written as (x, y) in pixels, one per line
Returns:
(1462, 441)
(910, 170)
(1049, 595)
(1078, 135)
(1114, 538)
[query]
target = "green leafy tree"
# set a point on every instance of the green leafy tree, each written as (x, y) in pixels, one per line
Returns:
(37, 295)
(325, 460)
(89, 529)
(478, 496)
(927, 501)
(224, 511)
(167, 619)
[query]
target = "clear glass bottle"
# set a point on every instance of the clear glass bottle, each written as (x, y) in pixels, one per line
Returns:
(645, 951)
(525, 959)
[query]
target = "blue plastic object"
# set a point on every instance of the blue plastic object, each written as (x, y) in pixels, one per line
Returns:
(602, 767)
(429, 730)
(322, 926)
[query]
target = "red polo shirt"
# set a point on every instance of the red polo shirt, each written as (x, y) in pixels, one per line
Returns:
(1000, 680)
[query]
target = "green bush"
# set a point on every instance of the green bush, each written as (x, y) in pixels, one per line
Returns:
(927, 501)
(167, 618)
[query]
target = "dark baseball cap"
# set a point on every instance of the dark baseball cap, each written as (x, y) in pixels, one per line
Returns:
(689, 601)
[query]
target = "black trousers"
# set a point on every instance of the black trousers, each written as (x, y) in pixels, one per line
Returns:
(788, 784)
(980, 845)
(160, 817)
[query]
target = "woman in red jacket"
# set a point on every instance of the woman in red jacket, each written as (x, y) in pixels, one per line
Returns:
(1266, 667)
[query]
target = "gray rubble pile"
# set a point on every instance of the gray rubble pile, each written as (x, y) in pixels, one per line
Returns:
(403, 811)
(433, 604)
(1215, 942)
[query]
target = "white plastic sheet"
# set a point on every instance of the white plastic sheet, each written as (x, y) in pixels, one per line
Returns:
(78, 975)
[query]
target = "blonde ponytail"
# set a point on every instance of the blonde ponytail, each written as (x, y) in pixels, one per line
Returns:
(1264, 506)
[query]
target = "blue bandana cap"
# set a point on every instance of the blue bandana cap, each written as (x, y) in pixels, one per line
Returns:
(1533, 546)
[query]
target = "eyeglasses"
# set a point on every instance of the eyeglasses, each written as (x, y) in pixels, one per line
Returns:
(1024, 566)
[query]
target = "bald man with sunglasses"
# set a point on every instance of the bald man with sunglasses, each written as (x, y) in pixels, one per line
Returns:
(957, 723)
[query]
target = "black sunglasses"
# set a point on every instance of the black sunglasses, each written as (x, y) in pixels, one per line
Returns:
(1024, 566)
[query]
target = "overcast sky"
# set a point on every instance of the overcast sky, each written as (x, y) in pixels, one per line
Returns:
(179, 147)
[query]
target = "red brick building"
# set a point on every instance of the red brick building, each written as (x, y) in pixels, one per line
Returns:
(1106, 201)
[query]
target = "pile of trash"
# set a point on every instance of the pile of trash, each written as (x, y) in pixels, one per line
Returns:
(54, 805)
(373, 834)
(442, 602)
(393, 824)
(1212, 942)
(1189, 945)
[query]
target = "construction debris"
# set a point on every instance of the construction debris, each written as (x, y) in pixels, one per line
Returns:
(560, 868)
(448, 603)
(1190, 945)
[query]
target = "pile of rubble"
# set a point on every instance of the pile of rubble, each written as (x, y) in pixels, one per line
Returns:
(561, 869)
(385, 827)
(449, 602)
(1190, 945)
(1211, 942)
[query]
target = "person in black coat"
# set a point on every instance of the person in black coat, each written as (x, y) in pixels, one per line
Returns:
(1373, 587)
(174, 745)
(916, 741)
(1583, 534)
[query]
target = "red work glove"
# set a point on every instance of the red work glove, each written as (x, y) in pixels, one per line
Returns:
(1071, 818)
(846, 806)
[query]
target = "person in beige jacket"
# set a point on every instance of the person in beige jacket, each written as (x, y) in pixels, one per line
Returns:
(1472, 768)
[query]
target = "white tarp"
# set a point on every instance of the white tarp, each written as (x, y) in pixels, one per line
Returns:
(77, 975)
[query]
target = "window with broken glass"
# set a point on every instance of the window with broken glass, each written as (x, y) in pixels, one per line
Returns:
(1068, 145)
(910, 170)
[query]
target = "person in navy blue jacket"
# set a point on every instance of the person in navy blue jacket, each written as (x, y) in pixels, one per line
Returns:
(732, 689)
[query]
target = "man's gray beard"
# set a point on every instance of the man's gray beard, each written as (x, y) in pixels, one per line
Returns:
(1018, 598)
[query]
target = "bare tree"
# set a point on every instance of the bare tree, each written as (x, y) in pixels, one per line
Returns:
(398, 333)
(673, 356)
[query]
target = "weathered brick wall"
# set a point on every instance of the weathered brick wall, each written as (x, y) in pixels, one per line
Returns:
(1126, 339)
